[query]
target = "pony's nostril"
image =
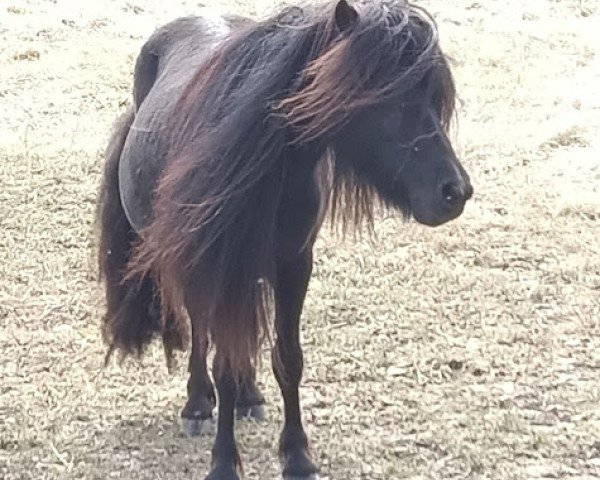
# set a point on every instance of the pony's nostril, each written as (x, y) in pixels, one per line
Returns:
(452, 193)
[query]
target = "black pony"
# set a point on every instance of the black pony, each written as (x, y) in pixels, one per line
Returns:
(217, 181)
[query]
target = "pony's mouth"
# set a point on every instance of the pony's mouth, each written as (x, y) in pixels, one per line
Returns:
(435, 217)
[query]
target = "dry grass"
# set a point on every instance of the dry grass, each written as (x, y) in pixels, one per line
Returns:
(468, 351)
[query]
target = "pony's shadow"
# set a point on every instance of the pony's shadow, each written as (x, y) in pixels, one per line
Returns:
(153, 447)
(158, 447)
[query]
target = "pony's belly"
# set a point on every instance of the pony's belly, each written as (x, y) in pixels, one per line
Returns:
(141, 163)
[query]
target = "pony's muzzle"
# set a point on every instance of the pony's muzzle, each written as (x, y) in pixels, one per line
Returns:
(447, 203)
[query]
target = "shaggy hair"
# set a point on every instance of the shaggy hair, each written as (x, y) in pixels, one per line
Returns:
(289, 83)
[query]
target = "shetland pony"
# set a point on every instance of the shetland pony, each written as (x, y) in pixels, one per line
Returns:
(218, 178)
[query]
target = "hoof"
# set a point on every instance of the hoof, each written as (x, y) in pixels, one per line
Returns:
(299, 467)
(312, 476)
(194, 427)
(223, 474)
(256, 412)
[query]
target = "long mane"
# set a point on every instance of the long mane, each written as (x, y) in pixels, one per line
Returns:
(291, 81)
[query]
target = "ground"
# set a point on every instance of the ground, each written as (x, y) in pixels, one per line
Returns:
(467, 351)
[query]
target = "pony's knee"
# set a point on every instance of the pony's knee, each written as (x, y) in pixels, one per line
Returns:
(288, 364)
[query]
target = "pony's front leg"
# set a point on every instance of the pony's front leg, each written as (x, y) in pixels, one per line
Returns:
(225, 459)
(292, 282)
(196, 416)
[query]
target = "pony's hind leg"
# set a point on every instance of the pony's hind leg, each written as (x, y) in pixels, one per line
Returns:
(196, 416)
(249, 402)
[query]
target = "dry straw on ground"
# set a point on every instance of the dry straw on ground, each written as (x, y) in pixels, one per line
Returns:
(468, 351)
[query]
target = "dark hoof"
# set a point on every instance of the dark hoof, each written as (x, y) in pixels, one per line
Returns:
(312, 476)
(194, 427)
(299, 466)
(256, 412)
(223, 473)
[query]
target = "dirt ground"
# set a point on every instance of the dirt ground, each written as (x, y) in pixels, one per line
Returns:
(466, 351)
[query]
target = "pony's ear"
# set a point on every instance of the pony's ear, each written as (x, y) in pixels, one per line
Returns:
(346, 16)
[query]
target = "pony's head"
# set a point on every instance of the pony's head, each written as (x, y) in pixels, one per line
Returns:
(382, 96)
(402, 150)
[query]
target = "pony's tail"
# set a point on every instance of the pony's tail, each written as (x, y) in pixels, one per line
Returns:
(133, 310)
